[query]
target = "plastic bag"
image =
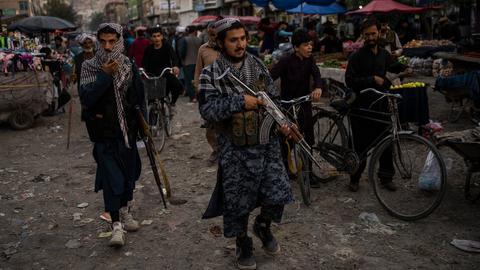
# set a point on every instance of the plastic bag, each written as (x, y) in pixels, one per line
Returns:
(429, 178)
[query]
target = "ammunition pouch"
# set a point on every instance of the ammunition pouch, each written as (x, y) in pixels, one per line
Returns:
(242, 128)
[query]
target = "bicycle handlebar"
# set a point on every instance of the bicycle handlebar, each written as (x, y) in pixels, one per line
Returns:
(296, 100)
(142, 71)
(397, 96)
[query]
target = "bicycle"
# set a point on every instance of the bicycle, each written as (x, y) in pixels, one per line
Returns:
(159, 110)
(299, 164)
(409, 151)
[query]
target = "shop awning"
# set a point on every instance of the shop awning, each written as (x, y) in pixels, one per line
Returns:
(320, 10)
(385, 6)
(289, 4)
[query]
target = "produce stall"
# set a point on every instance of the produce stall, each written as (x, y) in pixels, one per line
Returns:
(462, 62)
(413, 107)
(332, 66)
(426, 48)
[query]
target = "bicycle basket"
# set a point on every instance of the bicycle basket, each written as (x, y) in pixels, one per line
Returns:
(156, 88)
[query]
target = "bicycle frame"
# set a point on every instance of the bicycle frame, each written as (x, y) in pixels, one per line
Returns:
(393, 126)
(159, 103)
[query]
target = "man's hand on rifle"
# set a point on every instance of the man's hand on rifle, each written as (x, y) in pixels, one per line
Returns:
(287, 131)
(252, 103)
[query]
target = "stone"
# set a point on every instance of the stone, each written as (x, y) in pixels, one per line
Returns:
(231, 247)
(146, 222)
(369, 218)
(72, 244)
(181, 135)
(82, 205)
(77, 216)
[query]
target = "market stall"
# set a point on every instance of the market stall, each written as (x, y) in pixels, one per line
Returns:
(413, 107)
(427, 48)
(461, 62)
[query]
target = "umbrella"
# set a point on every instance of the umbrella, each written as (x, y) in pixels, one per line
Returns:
(140, 28)
(320, 10)
(289, 4)
(385, 6)
(41, 24)
(204, 19)
(210, 18)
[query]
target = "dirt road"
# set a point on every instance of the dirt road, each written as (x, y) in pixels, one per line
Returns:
(42, 226)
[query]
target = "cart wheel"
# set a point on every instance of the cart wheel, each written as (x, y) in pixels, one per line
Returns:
(21, 119)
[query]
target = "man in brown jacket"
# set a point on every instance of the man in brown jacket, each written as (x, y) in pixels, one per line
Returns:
(207, 54)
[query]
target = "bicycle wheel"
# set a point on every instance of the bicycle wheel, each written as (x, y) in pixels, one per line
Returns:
(167, 118)
(302, 165)
(152, 119)
(159, 131)
(419, 175)
(329, 132)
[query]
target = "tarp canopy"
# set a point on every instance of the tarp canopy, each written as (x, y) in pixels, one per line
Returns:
(289, 4)
(320, 10)
(385, 6)
(37, 24)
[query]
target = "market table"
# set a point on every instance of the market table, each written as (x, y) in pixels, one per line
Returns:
(413, 107)
(337, 74)
(460, 62)
(426, 51)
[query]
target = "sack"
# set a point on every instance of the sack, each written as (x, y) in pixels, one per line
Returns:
(429, 178)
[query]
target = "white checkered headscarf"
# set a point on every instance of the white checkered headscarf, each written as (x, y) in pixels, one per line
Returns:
(121, 79)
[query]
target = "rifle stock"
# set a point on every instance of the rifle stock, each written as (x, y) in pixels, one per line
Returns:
(154, 157)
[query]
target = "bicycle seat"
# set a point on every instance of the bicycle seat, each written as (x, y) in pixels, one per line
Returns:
(339, 104)
(343, 104)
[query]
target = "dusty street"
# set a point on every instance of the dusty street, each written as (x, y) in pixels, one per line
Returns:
(44, 223)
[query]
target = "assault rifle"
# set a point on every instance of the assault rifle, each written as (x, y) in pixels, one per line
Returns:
(154, 157)
(277, 115)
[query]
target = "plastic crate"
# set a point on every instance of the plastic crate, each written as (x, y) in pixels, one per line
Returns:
(156, 88)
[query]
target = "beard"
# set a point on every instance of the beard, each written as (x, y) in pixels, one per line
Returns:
(236, 59)
(371, 44)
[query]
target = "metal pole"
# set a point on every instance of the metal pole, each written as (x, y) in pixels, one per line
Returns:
(169, 11)
(301, 14)
(1, 24)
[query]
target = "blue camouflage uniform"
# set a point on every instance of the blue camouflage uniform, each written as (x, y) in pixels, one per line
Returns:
(248, 176)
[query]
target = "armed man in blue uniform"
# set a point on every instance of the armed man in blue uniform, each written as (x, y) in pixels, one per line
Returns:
(250, 174)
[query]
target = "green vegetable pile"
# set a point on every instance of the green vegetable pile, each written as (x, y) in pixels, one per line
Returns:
(331, 64)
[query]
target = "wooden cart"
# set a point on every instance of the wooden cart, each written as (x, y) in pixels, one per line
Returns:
(24, 96)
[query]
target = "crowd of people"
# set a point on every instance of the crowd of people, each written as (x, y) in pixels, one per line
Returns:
(251, 174)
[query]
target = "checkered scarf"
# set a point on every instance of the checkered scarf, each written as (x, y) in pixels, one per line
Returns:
(121, 79)
(251, 70)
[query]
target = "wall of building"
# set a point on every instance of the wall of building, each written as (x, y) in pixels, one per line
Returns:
(17, 7)
(116, 12)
